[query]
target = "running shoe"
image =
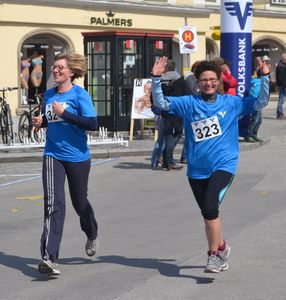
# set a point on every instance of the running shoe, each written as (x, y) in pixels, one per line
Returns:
(48, 267)
(91, 247)
(215, 264)
(224, 255)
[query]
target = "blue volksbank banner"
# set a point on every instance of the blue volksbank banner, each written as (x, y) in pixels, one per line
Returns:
(236, 44)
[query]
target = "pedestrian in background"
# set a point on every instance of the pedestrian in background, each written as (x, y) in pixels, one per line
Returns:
(256, 116)
(68, 114)
(172, 85)
(193, 89)
(281, 84)
(211, 129)
(228, 82)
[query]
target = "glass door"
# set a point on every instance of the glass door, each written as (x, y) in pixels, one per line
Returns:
(99, 81)
(130, 66)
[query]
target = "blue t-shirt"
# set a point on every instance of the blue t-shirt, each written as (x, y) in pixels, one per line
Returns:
(211, 128)
(211, 131)
(65, 141)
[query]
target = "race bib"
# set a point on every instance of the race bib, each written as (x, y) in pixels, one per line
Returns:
(206, 129)
(51, 116)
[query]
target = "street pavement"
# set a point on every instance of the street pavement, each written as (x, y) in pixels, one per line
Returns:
(151, 234)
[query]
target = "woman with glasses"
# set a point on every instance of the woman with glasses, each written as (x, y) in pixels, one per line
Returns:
(68, 114)
(211, 132)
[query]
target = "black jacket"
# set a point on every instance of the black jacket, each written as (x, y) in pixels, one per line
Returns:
(281, 74)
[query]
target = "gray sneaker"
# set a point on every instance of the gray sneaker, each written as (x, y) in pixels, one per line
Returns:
(91, 247)
(48, 267)
(224, 255)
(215, 264)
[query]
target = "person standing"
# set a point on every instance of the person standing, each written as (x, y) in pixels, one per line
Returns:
(256, 116)
(211, 130)
(68, 114)
(172, 85)
(281, 84)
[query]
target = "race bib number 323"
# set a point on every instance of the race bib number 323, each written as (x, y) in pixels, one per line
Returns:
(206, 129)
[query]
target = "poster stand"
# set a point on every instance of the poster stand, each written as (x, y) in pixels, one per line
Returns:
(142, 128)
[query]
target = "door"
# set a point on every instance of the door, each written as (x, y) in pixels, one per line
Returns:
(99, 81)
(114, 61)
(130, 66)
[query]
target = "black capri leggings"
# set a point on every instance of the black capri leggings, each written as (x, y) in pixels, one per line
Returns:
(209, 192)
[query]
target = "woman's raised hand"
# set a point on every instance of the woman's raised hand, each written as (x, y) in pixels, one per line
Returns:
(159, 66)
(264, 69)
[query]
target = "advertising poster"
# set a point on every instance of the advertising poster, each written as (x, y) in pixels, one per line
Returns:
(141, 103)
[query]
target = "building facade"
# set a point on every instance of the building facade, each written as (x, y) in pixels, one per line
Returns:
(121, 40)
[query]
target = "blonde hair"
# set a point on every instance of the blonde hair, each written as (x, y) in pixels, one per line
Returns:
(75, 62)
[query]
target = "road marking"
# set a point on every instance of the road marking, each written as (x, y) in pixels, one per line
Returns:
(18, 175)
(30, 198)
(40, 176)
(15, 210)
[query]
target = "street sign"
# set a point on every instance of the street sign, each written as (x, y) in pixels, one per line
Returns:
(188, 39)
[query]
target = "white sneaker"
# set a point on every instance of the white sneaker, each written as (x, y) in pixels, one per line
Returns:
(48, 267)
(215, 264)
(224, 255)
(91, 247)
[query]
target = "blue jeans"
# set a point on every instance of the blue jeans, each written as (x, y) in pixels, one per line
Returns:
(160, 143)
(184, 153)
(281, 100)
(173, 131)
(255, 122)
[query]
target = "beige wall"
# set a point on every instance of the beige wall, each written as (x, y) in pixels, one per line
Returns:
(18, 22)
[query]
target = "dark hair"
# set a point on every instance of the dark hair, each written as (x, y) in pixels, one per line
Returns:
(194, 65)
(171, 65)
(206, 65)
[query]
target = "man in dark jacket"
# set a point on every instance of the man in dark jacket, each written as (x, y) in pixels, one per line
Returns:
(281, 84)
(172, 85)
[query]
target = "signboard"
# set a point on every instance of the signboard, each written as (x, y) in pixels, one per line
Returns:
(188, 39)
(236, 45)
(141, 103)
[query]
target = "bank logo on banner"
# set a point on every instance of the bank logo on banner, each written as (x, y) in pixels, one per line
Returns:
(237, 16)
(234, 10)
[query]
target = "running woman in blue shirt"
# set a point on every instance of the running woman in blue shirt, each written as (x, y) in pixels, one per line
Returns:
(68, 114)
(211, 133)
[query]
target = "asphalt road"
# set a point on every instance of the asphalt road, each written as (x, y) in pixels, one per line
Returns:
(152, 243)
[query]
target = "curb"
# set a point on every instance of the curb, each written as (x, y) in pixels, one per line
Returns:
(36, 156)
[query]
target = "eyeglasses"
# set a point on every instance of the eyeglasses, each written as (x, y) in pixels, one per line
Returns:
(211, 80)
(58, 67)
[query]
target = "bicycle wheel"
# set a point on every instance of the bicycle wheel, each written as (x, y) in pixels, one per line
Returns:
(7, 125)
(24, 127)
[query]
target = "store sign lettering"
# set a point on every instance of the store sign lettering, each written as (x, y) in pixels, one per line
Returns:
(110, 21)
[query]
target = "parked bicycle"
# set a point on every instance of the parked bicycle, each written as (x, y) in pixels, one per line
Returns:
(26, 131)
(6, 121)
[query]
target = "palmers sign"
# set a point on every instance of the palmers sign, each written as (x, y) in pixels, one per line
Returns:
(110, 21)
